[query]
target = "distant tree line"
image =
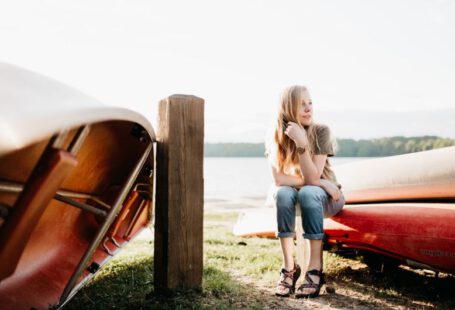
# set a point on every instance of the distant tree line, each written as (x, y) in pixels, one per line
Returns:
(234, 150)
(390, 146)
(346, 147)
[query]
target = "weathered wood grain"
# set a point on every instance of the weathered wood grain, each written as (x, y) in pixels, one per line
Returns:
(179, 193)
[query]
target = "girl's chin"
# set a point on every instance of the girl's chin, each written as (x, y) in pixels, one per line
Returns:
(307, 122)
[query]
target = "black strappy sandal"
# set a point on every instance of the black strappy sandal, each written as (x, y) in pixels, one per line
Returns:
(311, 284)
(294, 275)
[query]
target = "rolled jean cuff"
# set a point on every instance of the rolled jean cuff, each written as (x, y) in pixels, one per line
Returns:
(285, 234)
(313, 236)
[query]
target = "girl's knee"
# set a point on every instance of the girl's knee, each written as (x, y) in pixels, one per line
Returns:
(311, 196)
(286, 197)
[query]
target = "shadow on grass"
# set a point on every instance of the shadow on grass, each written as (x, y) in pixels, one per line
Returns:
(232, 269)
(130, 286)
(125, 284)
(400, 287)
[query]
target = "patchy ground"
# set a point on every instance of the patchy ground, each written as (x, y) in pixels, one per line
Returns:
(241, 274)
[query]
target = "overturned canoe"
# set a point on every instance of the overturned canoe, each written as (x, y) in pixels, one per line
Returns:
(256, 223)
(421, 176)
(76, 184)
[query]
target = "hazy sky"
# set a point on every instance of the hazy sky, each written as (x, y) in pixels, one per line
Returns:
(375, 68)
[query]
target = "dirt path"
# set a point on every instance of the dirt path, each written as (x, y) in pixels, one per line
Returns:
(344, 292)
(352, 285)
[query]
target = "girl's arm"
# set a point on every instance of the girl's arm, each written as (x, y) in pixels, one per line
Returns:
(281, 179)
(331, 189)
(311, 167)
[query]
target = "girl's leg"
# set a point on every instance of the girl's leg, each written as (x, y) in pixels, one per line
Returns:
(312, 200)
(286, 198)
(315, 255)
(287, 247)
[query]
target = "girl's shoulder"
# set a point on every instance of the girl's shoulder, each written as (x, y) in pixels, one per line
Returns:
(325, 143)
(321, 128)
(323, 132)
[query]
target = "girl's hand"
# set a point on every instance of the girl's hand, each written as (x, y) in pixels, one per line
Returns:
(297, 134)
(300, 184)
(331, 189)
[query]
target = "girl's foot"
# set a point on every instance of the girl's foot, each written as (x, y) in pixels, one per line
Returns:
(288, 279)
(314, 279)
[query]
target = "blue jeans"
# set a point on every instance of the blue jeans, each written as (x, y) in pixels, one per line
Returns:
(315, 204)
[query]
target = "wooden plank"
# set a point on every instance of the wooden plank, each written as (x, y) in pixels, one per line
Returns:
(179, 193)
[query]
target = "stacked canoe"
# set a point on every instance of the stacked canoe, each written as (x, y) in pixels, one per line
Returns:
(400, 206)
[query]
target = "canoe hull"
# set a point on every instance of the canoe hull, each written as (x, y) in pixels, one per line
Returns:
(62, 217)
(419, 234)
(63, 234)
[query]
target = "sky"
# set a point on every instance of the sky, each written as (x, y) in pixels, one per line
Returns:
(374, 68)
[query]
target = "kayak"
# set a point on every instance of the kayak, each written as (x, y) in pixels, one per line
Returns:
(76, 185)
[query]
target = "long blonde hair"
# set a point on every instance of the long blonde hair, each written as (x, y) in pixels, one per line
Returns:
(287, 156)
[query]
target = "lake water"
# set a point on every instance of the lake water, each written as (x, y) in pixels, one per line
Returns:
(243, 177)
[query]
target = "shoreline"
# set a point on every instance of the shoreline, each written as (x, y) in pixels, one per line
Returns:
(225, 204)
(218, 204)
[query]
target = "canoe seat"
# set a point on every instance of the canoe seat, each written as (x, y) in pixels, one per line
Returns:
(44, 181)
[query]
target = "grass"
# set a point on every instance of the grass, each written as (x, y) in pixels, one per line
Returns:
(241, 273)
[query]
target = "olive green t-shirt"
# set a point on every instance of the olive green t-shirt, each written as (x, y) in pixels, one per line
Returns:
(323, 144)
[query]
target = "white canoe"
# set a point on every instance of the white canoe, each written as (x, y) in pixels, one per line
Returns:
(424, 176)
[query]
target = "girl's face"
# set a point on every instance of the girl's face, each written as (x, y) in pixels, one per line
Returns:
(306, 109)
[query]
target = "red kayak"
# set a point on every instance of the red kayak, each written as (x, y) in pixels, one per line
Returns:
(417, 234)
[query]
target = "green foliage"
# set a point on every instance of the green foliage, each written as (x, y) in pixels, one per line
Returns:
(346, 147)
(234, 149)
(390, 146)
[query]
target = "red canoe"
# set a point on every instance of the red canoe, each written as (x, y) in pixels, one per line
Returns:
(401, 207)
(417, 234)
(76, 184)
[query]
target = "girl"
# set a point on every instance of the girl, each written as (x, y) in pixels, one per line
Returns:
(302, 173)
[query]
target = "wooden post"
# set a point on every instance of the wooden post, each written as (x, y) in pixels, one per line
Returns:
(179, 193)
